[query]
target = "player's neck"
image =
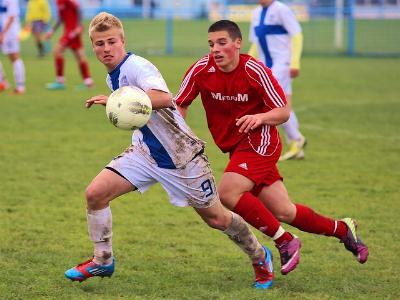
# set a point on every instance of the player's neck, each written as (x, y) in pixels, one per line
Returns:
(231, 66)
(267, 3)
(112, 67)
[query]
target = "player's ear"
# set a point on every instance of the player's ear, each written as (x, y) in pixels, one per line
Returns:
(238, 43)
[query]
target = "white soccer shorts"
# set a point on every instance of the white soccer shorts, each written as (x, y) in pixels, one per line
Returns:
(282, 74)
(10, 43)
(192, 185)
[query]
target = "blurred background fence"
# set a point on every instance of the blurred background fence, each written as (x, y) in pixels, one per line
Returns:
(179, 27)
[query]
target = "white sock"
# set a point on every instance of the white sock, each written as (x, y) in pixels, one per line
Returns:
(291, 128)
(19, 73)
(88, 81)
(278, 233)
(239, 232)
(100, 232)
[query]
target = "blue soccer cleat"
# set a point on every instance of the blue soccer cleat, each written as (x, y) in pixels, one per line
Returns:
(89, 269)
(55, 86)
(264, 271)
(83, 87)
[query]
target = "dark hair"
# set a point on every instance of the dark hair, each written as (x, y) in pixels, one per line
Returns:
(226, 25)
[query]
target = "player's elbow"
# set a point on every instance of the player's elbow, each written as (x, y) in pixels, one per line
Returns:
(160, 99)
(285, 114)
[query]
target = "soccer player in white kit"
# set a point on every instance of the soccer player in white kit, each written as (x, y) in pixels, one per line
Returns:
(165, 150)
(277, 41)
(9, 43)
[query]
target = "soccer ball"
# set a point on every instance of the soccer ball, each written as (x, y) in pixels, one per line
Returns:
(128, 108)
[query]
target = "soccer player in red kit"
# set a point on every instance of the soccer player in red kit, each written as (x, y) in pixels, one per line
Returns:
(69, 15)
(244, 103)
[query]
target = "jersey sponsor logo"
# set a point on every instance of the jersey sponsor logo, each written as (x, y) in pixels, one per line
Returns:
(211, 70)
(238, 97)
(243, 166)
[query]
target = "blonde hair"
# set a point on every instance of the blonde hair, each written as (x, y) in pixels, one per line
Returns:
(103, 22)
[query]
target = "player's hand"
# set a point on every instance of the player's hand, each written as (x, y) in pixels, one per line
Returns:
(99, 99)
(294, 72)
(48, 34)
(74, 33)
(249, 122)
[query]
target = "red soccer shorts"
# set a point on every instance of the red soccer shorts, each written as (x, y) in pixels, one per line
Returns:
(74, 43)
(262, 170)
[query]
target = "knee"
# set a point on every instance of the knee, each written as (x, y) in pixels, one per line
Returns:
(228, 198)
(94, 198)
(286, 215)
(222, 192)
(81, 58)
(217, 222)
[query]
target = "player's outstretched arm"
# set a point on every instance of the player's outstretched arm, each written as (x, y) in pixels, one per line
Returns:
(6, 27)
(99, 99)
(253, 51)
(297, 48)
(50, 33)
(159, 99)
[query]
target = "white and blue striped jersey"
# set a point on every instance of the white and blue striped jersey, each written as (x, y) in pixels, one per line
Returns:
(271, 30)
(166, 138)
(9, 8)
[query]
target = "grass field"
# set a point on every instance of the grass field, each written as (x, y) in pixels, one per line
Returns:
(51, 147)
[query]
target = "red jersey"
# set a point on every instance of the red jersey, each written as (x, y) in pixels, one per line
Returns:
(68, 12)
(249, 89)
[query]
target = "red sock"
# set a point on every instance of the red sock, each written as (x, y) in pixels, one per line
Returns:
(59, 66)
(251, 209)
(285, 237)
(309, 221)
(84, 68)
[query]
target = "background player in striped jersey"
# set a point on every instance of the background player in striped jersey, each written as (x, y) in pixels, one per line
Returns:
(244, 103)
(277, 41)
(10, 46)
(165, 150)
(70, 16)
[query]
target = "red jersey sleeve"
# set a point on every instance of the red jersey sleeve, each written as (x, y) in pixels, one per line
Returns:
(189, 90)
(266, 84)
